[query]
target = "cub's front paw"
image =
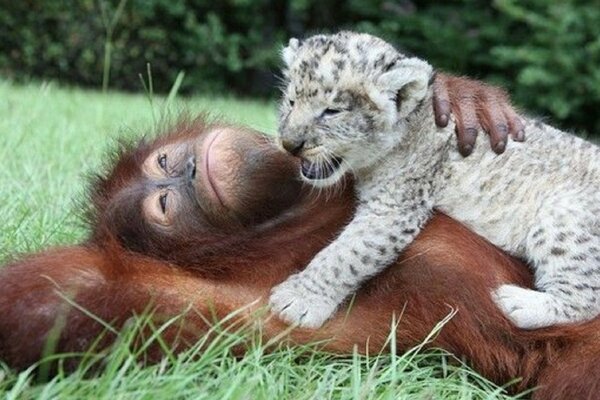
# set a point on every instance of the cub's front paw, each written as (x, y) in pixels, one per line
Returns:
(295, 304)
(526, 308)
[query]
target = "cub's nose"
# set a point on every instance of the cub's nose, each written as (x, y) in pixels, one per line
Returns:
(293, 146)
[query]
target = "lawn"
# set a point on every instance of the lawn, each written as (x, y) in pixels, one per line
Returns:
(50, 137)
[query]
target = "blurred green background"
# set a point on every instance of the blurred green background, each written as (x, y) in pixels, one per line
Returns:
(546, 53)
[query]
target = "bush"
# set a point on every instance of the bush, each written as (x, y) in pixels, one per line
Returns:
(553, 59)
(228, 46)
(546, 53)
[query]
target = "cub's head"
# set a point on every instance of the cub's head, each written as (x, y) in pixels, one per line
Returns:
(345, 102)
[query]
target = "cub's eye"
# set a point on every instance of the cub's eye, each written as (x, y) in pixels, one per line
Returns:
(331, 111)
(162, 162)
(292, 102)
(162, 200)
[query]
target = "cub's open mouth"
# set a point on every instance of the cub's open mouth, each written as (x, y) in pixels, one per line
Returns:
(320, 170)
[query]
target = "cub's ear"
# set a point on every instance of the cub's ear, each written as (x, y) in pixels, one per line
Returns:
(406, 81)
(289, 53)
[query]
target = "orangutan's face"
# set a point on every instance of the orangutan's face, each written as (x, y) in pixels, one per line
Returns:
(218, 174)
(203, 182)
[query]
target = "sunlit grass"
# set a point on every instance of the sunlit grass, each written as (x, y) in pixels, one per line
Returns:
(50, 137)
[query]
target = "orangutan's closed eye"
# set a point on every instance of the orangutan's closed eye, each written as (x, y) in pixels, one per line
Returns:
(162, 161)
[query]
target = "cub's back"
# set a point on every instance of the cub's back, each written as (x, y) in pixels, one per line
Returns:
(501, 196)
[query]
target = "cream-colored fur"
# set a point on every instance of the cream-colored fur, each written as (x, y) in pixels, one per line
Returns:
(355, 104)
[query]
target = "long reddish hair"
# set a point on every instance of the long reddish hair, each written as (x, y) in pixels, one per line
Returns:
(447, 268)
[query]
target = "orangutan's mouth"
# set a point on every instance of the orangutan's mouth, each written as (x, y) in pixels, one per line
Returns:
(320, 170)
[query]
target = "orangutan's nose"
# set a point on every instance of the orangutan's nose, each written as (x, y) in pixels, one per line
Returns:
(293, 146)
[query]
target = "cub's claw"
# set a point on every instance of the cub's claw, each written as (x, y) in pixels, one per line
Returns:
(296, 305)
(526, 308)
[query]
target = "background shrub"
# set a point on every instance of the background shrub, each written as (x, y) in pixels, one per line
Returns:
(546, 53)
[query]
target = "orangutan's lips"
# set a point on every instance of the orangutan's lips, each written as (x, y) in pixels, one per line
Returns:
(210, 183)
(321, 170)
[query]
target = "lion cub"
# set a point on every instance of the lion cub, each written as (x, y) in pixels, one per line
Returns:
(355, 104)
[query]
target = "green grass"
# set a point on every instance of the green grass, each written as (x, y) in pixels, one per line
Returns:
(50, 137)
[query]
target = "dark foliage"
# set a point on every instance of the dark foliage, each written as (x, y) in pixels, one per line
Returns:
(547, 54)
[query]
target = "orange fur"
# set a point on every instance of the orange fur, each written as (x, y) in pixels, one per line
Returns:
(446, 268)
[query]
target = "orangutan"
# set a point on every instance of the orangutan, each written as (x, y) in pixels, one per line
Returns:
(212, 216)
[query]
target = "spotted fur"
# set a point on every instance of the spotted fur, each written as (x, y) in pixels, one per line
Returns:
(353, 98)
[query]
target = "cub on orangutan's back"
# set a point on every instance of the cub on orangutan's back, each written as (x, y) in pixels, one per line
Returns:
(355, 104)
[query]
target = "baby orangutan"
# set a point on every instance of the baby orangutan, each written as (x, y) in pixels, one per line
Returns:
(204, 220)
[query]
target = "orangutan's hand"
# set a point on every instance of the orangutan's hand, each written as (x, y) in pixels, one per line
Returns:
(476, 106)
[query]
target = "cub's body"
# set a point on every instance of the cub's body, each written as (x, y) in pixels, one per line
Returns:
(549, 182)
(353, 103)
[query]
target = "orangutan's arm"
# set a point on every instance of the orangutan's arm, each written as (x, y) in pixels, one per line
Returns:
(447, 268)
(476, 106)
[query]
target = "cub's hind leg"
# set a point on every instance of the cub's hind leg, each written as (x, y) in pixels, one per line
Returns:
(564, 249)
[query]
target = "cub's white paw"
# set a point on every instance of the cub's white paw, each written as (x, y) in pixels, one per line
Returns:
(526, 308)
(296, 305)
